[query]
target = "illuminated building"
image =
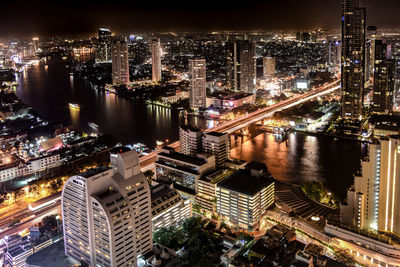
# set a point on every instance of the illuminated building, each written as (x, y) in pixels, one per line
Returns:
(334, 52)
(182, 170)
(353, 57)
(372, 203)
(384, 71)
(120, 62)
(104, 45)
(217, 144)
(190, 140)
(243, 197)
(241, 66)
(107, 213)
(269, 67)
(35, 41)
(207, 186)
(156, 60)
(197, 97)
(168, 207)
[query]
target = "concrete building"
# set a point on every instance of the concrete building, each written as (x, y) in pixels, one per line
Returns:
(353, 55)
(217, 144)
(190, 140)
(384, 79)
(120, 62)
(107, 213)
(156, 60)
(168, 207)
(269, 67)
(197, 96)
(103, 52)
(207, 186)
(182, 170)
(241, 66)
(243, 198)
(372, 203)
(335, 52)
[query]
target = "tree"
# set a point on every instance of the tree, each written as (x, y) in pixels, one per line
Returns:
(149, 175)
(170, 237)
(191, 225)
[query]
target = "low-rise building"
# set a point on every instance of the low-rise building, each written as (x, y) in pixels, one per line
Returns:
(182, 170)
(242, 198)
(168, 207)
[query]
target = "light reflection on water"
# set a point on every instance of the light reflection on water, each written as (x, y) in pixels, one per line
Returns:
(305, 158)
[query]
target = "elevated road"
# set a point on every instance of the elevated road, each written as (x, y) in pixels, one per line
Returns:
(250, 118)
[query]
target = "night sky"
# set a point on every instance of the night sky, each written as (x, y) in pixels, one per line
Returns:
(27, 18)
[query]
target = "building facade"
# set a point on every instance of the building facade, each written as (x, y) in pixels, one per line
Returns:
(168, 207)
(269, 67)
(156, 60)
(103, 52)
(190, 140)
(384, 80)
(120, 62)
(353, 58)
(197, 96)
(182, 170)
(242, 198)
(217, 144)
(107, 213)
(241, 66)
(372, 203)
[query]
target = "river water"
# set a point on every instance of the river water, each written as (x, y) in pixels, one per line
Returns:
(48, 88)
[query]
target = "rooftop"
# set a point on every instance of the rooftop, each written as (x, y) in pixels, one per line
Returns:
(217, 134)
(183, 157)
(93, 171)
(243, 182)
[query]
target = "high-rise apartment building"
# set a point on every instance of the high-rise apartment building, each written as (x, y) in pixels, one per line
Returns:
(156, 60)
(120, 62)
(197, 96)
(217, 144)
(353, 58)
(107, 213)
(372, 203)
(241, 66)
(384, 79)
(103, 52)
(190, 140)
(269, 67)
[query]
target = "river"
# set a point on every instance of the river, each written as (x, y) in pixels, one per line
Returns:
(48, 88)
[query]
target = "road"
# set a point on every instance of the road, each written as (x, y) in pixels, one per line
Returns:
(250, 118)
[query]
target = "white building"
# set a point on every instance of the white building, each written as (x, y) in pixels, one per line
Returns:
(242, 199)
(156, 60)
(372, 203)
(197, 96)
(217, 144)
(43, 163)
(120, 62)
(168, 207)
(107, 214)
(190, 140)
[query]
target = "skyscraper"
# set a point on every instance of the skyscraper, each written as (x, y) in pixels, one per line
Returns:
(104, 45)
(197, 69)
(107, 213)
(373, 201)
(334, 52)
(120, 62)
(269, 67)
(353, 57)
(156, 60)
(241, 66)
(384, 70)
